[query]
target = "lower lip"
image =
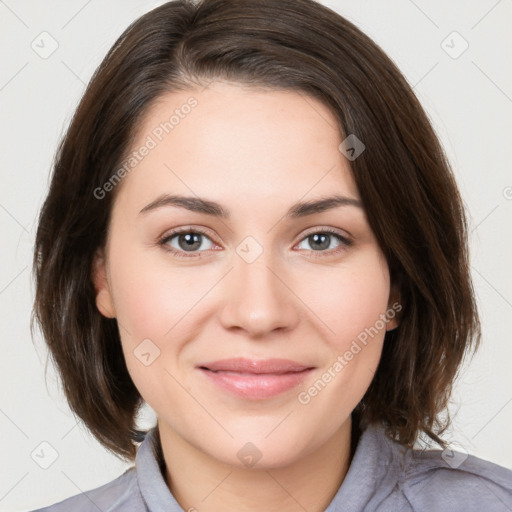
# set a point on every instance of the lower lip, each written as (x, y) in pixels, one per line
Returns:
(256, 386)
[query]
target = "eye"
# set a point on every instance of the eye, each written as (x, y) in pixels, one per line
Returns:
(188, 243)
(321, 241)
(183, 241)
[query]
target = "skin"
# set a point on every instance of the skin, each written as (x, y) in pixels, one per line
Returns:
(256, 152)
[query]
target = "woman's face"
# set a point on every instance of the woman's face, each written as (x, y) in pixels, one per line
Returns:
(264, 281)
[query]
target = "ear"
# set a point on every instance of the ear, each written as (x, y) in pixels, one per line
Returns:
(394, 308)
(104, 301)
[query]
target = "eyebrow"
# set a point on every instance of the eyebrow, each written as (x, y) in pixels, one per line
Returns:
(205, 206)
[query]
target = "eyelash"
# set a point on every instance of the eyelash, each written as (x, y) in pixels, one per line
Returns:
(345, 242)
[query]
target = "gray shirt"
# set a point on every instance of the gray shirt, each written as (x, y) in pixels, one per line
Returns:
(383, 476)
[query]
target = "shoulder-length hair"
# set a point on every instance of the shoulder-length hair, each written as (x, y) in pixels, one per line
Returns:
(404, 179)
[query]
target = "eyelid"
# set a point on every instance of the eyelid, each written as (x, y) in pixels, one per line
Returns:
(187, 229)
(346, 240)
(327, 229)
(208, 232)
(168, 235)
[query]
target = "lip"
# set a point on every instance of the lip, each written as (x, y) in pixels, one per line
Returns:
(259, 366)
(255, 379)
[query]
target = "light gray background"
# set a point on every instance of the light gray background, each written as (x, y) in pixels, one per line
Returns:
(468, 99)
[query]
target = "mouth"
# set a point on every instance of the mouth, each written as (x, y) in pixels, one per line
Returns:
(255, 379)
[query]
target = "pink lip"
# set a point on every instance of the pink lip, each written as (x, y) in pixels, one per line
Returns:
(256, 379)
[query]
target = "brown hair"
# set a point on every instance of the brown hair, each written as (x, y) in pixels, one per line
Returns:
(404, 180)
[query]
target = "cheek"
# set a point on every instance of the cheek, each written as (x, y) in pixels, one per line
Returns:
(353, 306)
(349, 301)
(150, 297)
(156, 309)
(159, 303)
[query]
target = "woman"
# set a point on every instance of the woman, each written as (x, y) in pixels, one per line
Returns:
(252, 227)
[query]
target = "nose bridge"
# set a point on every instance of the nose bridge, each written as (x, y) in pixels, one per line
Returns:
(257, 298)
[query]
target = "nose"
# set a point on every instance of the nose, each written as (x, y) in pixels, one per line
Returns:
(258, 299)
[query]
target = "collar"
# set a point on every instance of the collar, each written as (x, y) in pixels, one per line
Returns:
(374, 466)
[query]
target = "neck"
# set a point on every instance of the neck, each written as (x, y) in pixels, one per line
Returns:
(201, 482)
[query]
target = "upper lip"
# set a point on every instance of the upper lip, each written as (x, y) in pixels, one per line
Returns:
(243, 365)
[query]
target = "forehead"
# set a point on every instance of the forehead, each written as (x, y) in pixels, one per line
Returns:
(237, 145)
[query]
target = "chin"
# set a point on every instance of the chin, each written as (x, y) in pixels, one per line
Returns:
(258, 453)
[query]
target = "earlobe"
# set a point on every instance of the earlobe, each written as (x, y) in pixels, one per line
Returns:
(392, 324)
(394, 309)
(104, 301)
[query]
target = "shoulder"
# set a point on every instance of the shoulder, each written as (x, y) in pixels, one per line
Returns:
(121, 494)
(453, 480)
